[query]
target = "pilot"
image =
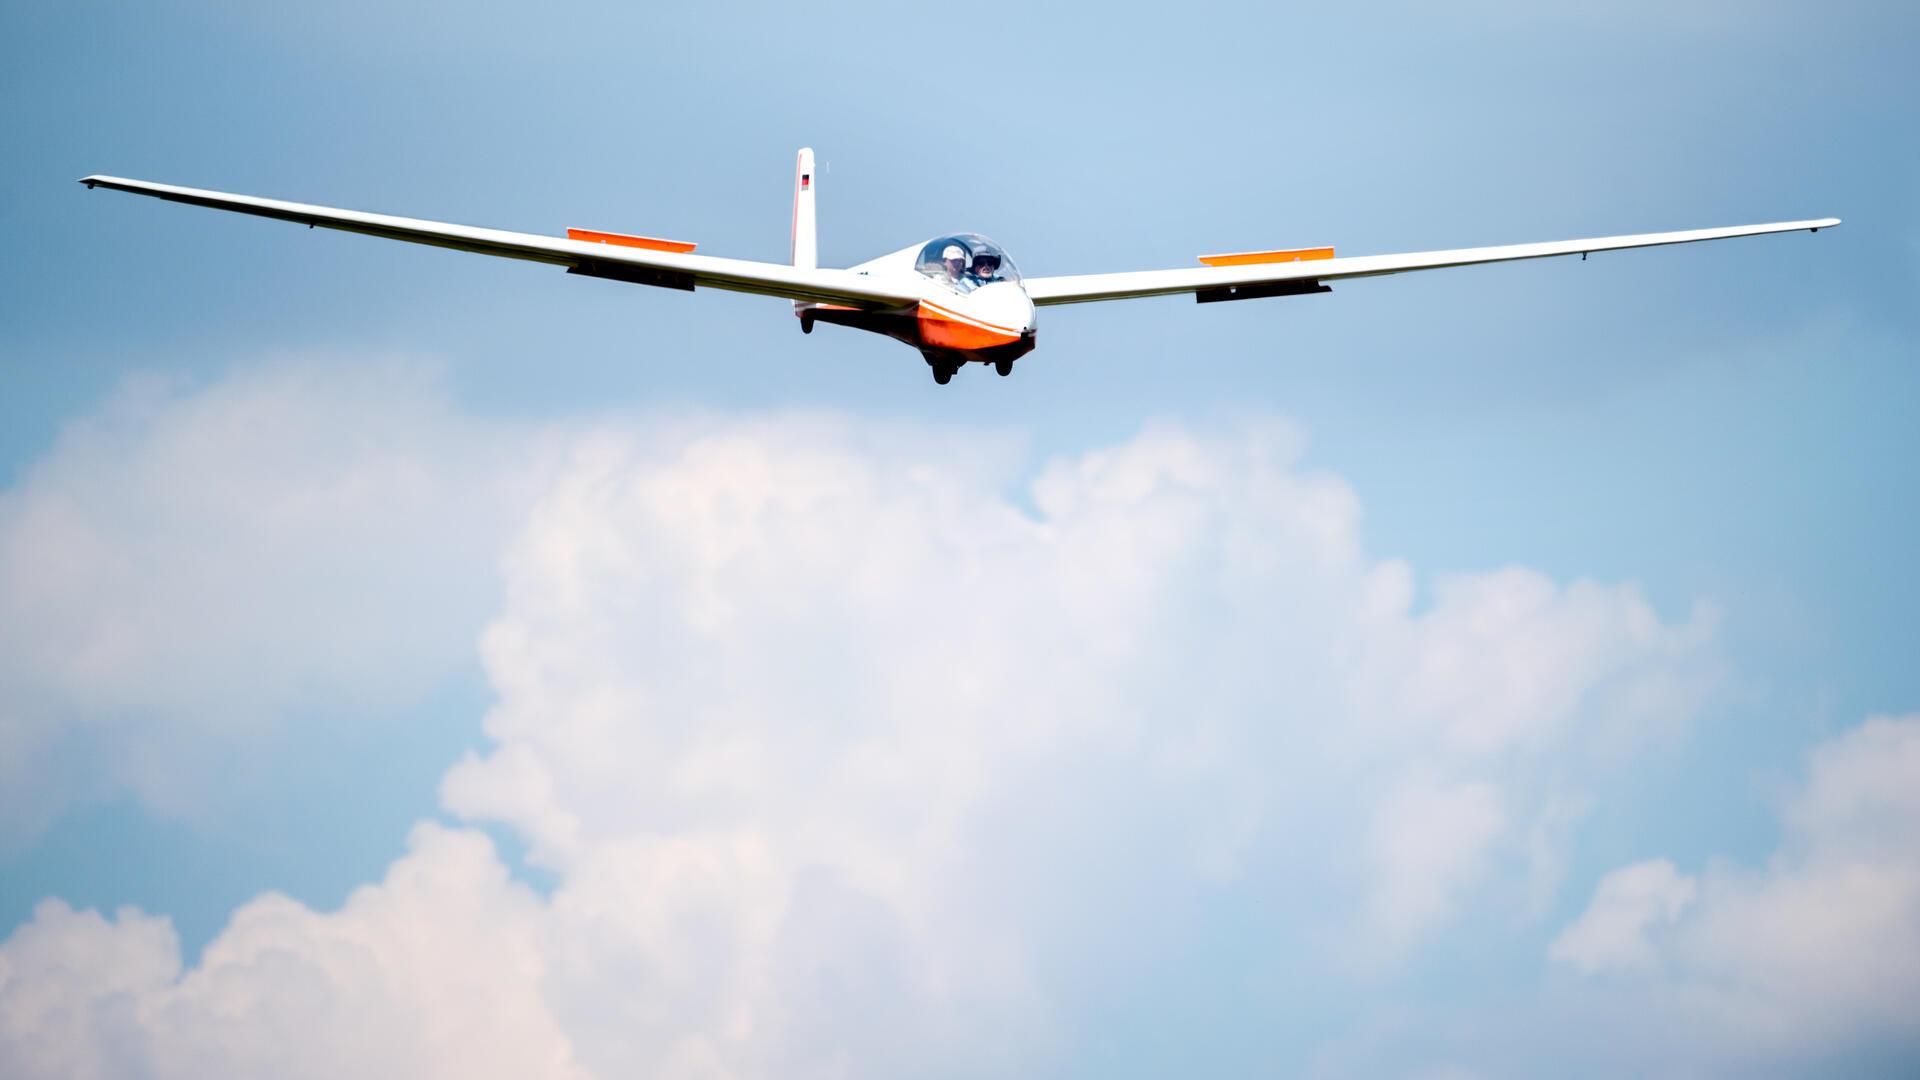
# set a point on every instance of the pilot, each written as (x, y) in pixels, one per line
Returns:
(986, 267)
(955, 259)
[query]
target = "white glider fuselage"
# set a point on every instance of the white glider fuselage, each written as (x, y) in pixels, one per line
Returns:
(960, 317)
(970, 306)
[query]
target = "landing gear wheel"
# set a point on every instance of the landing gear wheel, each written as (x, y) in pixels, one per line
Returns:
(1004, 367)
(806, 322)
(943, 373)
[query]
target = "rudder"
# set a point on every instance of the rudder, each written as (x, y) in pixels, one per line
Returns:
(806, 253)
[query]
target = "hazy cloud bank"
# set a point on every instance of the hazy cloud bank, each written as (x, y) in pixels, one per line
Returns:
(190, 565)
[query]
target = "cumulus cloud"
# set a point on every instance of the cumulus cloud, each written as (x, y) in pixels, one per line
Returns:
(1819, 946)
(1612, 934)
(843, 761)
(1428, 844)
(434, 971)
(190, 564)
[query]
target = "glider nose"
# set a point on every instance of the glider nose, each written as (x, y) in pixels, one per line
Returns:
(989, 317)
(1005, 303)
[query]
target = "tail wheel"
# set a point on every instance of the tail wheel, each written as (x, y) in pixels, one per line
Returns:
(806, 322)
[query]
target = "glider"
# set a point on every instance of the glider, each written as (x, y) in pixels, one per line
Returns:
(958, 298)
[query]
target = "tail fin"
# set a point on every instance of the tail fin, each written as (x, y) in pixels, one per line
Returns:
(806, 252)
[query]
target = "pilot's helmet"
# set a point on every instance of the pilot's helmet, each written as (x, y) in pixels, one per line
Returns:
(955, 257)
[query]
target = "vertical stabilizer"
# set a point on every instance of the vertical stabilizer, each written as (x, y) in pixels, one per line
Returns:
(806, 253)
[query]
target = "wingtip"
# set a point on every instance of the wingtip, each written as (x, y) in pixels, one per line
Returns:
(90, 180)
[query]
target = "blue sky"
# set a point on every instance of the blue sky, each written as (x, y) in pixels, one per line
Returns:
(1597, 568)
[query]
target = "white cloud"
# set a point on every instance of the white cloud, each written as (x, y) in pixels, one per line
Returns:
(1510, 659)
(1820, 946)
(844, 762)
(1429, 843)
(189, 565)
(71, 984)
(1549, 840)
(435, 971)
(1612, 934)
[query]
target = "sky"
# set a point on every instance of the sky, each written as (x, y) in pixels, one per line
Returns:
(413, 663)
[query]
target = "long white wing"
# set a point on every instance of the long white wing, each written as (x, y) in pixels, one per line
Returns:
(1279, 278)
(665, 268)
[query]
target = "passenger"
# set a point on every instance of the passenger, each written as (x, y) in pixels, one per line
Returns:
(955, 260)
(986, 267)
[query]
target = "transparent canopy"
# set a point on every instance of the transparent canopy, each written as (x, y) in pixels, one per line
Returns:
(965, 261)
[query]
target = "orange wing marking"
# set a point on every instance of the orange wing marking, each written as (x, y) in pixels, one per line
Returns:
(1249, 258)
(623, 240)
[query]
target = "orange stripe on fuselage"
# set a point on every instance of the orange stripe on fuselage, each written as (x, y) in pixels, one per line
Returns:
(947, 329)
(623, 240)
(1250, 258)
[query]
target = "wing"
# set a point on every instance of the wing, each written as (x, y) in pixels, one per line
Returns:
(1243, 277)
(613, 257)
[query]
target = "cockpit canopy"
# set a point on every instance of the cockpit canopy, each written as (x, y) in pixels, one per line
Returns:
(965, 261)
